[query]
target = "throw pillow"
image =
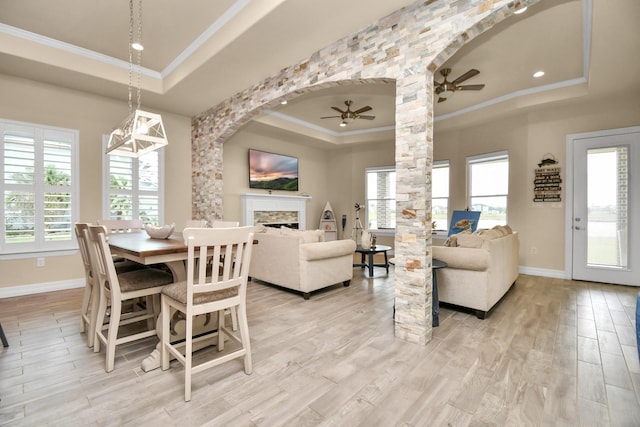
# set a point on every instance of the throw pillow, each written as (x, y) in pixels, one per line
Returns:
(305, 236)
(271, 231)
(490, 234)
(470, 241)
(452, 241)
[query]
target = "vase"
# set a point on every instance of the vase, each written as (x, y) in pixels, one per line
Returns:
(366, 240)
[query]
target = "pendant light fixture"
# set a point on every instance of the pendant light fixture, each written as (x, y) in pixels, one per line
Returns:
(141, 131)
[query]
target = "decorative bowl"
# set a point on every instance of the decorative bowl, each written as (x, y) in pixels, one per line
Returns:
(156, 232)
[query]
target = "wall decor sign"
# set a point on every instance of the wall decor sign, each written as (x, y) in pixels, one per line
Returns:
(547, 182)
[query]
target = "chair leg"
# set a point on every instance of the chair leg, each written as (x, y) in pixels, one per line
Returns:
(84, 309)
(112, 336)
(102, 312)
(166, 335)
(3, 337)
(220, 332)
(150, 303)
(188, 358)
(93, 316)
(244, 336)
(234, 318)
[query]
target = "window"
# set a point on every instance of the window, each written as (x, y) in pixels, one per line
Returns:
(440, 194)
(134, 187)
(381, 199)
(39, 188)
(489, 187)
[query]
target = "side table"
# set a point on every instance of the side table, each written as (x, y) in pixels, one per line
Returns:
(436, 264)
(369, 253)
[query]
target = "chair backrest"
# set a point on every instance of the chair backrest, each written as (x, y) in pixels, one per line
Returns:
(230, 249)
(102, 261)
(196, 223)
(122, 225)
(83, 244)
(224, 224)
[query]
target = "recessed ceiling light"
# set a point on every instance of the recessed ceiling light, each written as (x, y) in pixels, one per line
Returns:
(283, 102)
(137, 46)
(538, 74)
(521, 10)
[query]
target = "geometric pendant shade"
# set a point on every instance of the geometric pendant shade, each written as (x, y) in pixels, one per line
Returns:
(138, 134)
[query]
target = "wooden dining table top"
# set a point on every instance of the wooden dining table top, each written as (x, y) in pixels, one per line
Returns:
(139, 244)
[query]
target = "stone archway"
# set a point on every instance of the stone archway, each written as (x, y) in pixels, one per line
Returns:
(407, 46)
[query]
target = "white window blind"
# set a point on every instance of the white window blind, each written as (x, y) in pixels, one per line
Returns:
(39, 188)
(133, 187)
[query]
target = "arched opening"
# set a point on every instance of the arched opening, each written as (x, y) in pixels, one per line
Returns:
(404, 59)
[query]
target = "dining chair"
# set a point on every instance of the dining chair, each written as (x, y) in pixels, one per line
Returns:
(224, 224)
(91, 296)
(122, 225)
(210, 290)
(196, 223)
(116, 289)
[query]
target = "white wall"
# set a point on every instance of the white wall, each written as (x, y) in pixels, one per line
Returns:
(312, 170)
(27, 101)
(528, 136)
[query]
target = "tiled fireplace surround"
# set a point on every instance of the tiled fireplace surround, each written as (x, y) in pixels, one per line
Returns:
(407, 47)
(274, 210)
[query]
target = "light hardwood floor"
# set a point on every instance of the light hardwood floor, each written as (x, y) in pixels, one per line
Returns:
(554, 352)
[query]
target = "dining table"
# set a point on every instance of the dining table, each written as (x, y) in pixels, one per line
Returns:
(140, 248)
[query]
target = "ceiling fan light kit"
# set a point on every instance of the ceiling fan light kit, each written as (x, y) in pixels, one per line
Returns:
(347, 116)
(446, 89)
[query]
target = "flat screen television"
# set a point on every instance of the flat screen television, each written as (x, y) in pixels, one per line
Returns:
(270, 171)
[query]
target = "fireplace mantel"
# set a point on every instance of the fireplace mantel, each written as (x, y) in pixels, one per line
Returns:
(256, 202)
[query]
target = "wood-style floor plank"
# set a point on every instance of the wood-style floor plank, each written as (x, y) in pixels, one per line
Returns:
(553, 353)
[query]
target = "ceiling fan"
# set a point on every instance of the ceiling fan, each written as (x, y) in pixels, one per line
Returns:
(348, 116)
(445, 89)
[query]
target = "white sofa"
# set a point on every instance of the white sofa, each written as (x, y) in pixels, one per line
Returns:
(482, 267)
(300, 260)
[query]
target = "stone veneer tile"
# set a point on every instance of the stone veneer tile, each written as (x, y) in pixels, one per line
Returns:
(407, 47)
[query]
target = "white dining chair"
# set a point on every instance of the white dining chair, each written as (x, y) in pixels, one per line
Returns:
(196, 223)
(225, 224)
(208, 290)
(115, 289)
(91, 296)
(122, 225)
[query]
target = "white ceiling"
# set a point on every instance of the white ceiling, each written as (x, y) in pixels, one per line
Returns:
(200, 52)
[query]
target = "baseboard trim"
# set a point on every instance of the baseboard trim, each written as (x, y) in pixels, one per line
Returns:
(39, 288)
(544, 272)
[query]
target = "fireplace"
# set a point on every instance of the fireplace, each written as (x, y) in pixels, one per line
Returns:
(274, 210)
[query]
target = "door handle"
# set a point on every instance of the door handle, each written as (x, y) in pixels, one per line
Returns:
(578, 228)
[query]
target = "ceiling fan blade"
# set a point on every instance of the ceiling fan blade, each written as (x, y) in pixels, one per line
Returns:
(470, 87)
(472, 72)
(339, 110)
(331, 117)
(363, 109)
(367, 117)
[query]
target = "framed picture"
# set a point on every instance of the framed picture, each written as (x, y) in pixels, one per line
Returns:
(464, 220)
